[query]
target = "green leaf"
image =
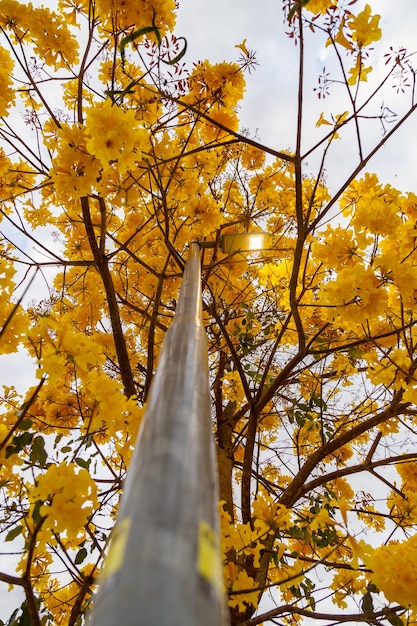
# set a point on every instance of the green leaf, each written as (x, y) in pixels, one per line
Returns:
(318, 401)
(37, 517)
(81, 555)
(179, 55)
(25, 424)
(395, 620)
(295, 8)
(82, 463)
(25, 619)
(18, 443)
(12, 618)
(367, 605)
(136, 34)
(38, 453)
(121, 93)
(355, 353)
(15, 532)
(300, 418)
(88, 440)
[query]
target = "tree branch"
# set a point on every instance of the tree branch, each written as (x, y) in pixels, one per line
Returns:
(113, 307)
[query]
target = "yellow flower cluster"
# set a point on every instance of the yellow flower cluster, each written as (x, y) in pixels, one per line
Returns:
(136, 14)
(337, 247)
(366, 192)
(364, 30)
(232, 387)
(355, 285)
(72, 9)
(354, 299)
(59, 600)
(69, 496)
(88, 156)
(221, 83)
(354, 34)
(287, 576)
(63, 346)
(403, 506)
(394, 570)
(48, 31)
(114, 136)
(217, 89)
(7, 94)
(14, 176)
(16, 319)
(237, 580)
(270, 514)
(277, 275)
(347, 582)
(83, 395)
(74, 172)
(244, 540)
(241, 537)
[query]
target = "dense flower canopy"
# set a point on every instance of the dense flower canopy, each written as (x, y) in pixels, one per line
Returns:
(127, 155)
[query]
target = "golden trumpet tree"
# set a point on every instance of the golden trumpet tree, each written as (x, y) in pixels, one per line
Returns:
(114, 156)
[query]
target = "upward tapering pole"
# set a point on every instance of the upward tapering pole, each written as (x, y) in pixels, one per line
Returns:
(163, 566)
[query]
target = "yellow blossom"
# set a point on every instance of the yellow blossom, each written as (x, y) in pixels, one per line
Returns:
(365, 27)
(347, 582)
(319, 6)
(321, 520)
(66, 509)
(358, 72)
(242, 46)
(232, 387)
(340, 37)
(322, 121)
(394, 570)
(221, 86)
(46, 30)
(7, 94)
(123, 15)
(246, 583)
(75, 172)
(114, 136)
(274, 515)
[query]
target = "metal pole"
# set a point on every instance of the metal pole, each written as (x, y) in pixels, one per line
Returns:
(163, 566)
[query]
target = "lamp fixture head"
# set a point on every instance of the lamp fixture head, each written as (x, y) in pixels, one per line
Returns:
(245, 242)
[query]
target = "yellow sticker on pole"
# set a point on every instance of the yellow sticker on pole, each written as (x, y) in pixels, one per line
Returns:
(117, 549)
(209, 564)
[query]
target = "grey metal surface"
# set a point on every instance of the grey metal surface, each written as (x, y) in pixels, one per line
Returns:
(163, 566)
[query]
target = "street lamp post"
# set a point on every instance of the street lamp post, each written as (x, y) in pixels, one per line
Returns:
(164, 567)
